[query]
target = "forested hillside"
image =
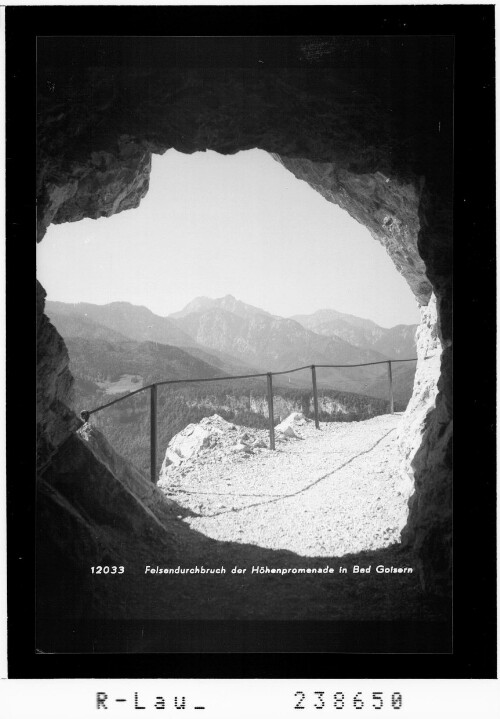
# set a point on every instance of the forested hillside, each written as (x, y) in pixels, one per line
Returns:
(126, 424)
(226, 337)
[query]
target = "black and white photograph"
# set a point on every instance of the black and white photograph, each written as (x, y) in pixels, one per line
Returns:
(240, 339)
(244, 323)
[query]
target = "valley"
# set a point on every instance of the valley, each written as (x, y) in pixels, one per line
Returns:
(116, 349)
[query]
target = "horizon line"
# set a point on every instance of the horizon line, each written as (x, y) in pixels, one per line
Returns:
(229, 295)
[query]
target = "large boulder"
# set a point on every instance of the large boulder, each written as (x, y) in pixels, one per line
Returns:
(193, 439)
(288, 428)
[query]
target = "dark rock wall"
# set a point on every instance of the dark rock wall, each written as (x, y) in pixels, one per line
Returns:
(367, 124)
(89, 515)
(55, 421)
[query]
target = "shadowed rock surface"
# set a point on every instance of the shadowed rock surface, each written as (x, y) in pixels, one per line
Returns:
(94, 509)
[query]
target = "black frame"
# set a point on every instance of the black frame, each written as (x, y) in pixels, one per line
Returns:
(474, 651)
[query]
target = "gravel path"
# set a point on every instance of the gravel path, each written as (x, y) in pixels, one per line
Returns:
(335, 491)
(281, 533)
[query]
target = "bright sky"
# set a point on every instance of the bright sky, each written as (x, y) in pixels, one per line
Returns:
(215, 225)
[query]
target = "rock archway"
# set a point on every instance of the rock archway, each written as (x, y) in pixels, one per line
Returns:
(366, 122)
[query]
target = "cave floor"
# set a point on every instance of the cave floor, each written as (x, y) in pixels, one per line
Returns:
(329, 492)
(342, 507)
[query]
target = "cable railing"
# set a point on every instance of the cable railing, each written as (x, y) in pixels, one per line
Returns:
(153, 388)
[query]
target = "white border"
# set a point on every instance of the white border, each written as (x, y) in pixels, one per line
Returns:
(223, 698)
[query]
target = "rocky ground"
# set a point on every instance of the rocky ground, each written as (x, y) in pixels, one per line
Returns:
(237, 531)
(330, 492)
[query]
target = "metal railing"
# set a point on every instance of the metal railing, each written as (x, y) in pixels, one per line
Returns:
(85, 414)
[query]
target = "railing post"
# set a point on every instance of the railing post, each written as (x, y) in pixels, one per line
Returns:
(391, 396)
(154, 477)
(271, 409)
(315, 396)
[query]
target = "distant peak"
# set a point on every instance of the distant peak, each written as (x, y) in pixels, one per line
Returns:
(229, 301)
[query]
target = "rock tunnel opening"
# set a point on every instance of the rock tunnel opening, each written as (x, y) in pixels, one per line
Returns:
(363, 143)
(89, 260)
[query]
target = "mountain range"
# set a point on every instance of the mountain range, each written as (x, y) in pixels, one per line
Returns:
(129, 321)
(396, 342)
(117, 348)
(269, 342)
(226, 336)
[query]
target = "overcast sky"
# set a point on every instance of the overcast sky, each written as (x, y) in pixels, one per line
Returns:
(215, 225)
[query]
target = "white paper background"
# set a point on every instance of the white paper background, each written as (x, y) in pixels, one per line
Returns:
(231, 699)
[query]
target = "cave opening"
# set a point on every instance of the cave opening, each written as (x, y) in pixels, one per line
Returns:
(223, 226)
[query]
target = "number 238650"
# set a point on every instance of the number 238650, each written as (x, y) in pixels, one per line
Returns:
(341, 700)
